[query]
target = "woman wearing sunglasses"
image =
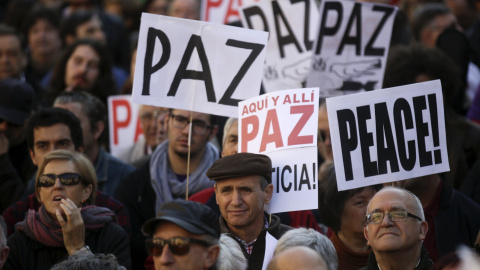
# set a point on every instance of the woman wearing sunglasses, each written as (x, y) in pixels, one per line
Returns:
(67, 223)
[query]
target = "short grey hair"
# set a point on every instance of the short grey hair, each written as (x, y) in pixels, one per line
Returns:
(227, 127)
(311, 239)
(89, 262)
(231, 256)
(418, 208)
(3, 235)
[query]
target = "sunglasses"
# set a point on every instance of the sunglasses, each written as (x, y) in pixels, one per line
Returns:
(178, 245)
(67, 179)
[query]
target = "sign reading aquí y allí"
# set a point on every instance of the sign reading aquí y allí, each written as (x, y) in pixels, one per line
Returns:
(388, 135)
(198, 66)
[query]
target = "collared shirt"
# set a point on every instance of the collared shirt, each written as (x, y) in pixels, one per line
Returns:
(249, 246)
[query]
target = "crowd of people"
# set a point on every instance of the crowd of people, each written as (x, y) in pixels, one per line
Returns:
(182, 196)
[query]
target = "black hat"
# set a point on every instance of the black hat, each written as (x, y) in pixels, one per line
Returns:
(239, 165)
(16, 101)
(191, 216)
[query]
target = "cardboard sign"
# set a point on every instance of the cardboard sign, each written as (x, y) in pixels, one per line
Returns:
(292, 26)
(351, 48)
(283, 125)
(388, 135)
(222, 11)
(197, 66)
(124, 124)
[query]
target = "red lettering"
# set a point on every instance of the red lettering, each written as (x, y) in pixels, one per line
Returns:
(246, 137)
(276, 136)
(306, 111)
(120, 124)
(232, 11)
(211, 4)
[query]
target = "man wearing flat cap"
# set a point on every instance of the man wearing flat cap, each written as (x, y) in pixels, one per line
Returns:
(184, 236)
(16, 106)
(243, 185)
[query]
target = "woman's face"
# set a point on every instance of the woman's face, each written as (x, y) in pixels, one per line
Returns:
(353, 219)
(51, 196)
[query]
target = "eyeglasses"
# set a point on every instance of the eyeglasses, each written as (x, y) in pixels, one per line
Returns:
(67, 179)
(397, 216)
(199, 127)
(178, 245)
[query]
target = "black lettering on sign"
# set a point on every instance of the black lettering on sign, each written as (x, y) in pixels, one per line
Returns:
(346, 123)
(408, 153)
(369, 49)
(252, 11)
(286, 188)
(290, 37)
(256, 49)
(306, 25)
(329, 31)
(182, 73)
(148, 67)
(432, 105)
(425, 157)
(366, 140)
(304, 180)
(385, 135)
(355, 40)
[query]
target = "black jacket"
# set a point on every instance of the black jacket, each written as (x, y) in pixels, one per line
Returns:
(424, 264)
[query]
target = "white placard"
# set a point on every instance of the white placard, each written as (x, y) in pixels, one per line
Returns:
(197, 66)
(350, 52)
(283, 125)
(388, 135)
(293, 28)
(222, 11)
(124, 124)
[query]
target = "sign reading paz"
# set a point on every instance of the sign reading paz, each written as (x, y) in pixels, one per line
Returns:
(351, 48)
(292, 26)
(388, 135)
(198, 66)
(283, 125)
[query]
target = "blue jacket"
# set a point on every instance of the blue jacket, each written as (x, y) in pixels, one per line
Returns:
(110, 172)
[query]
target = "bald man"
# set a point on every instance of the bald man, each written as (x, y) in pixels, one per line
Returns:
(297, 258)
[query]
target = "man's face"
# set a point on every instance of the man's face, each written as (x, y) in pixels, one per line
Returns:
(82, 68)
(178, 135)
(89, 136)
(199, 257)
(241, 201)
(391, 236)
(152, 119)
(231, 142)
(91, 29)
(14, 134)
(12, 59)
(186, 9)
(47, 139)
(430, 33)
(44, 39)
(324, 142)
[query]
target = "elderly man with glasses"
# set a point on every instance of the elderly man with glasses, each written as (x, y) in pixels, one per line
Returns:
(163, 177)
(395, 230)
(184, 235)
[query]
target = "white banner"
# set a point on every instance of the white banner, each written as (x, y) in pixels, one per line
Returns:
(293, 27)
(350, 52)
(197, 66)
(222, 11)
(124, 125)
(388, 135)
(283, 125)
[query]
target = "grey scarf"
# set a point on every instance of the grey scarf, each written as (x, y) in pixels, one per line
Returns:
(165, 182)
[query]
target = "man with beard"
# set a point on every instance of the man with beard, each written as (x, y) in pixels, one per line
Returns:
(163, 177)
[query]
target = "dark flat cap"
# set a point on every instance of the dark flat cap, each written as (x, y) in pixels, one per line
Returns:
(16, 101)
(191, 216)
(239, 165)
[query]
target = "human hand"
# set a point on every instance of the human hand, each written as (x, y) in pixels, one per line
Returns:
(73, 228)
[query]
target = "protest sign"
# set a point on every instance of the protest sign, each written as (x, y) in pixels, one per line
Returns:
(351, 47)
(292, 26)
(222, 11)
(198, 66)
(283, 125)
(388, 135)
(124, 125)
